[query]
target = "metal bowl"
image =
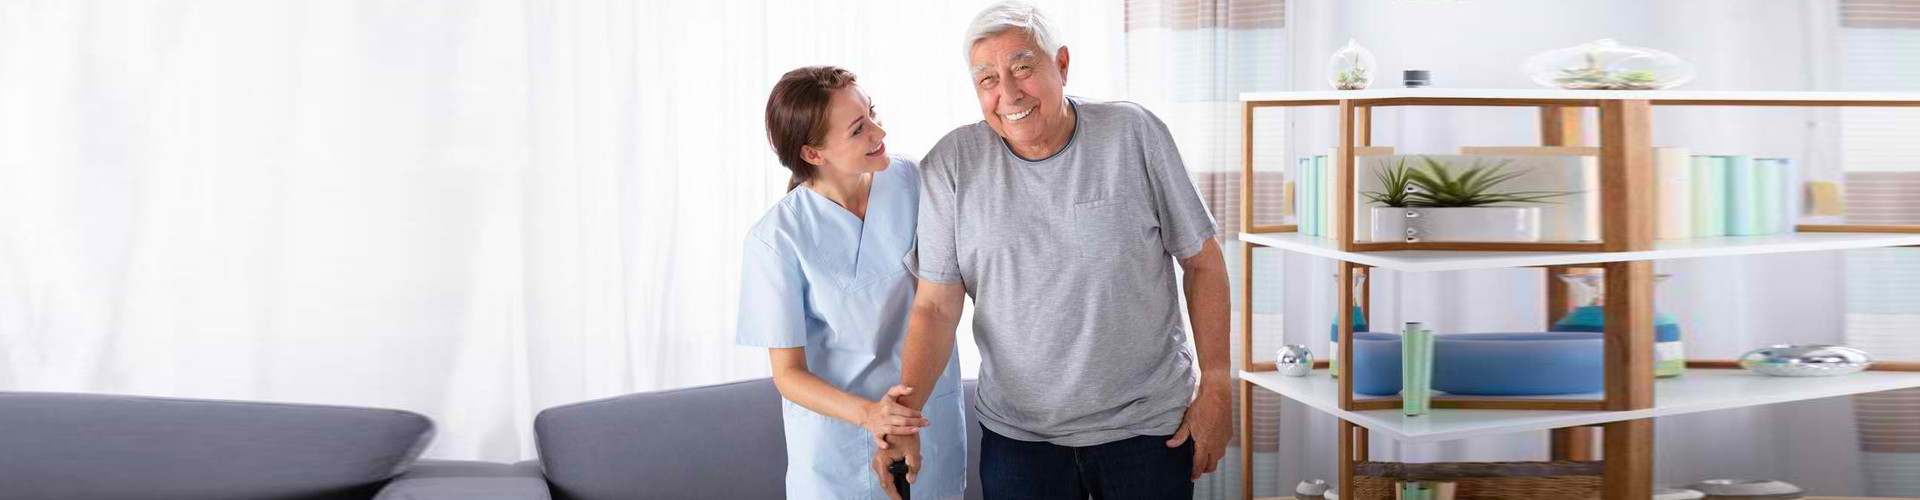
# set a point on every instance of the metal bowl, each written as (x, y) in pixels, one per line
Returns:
(1294, 360)
(1744, 488)
(1677, 494)
(1806, 360)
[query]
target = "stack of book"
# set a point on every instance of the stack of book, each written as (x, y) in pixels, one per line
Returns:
(1705, 196)
(1313, 209)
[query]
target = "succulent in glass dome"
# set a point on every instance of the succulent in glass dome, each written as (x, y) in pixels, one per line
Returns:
(1607, 65)
(1351, 67)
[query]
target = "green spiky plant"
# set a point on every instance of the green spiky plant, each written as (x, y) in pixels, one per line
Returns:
(1434, 184)
(1475, 187)
(1399, 188)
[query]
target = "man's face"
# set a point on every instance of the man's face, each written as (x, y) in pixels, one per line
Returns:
(1021, 89)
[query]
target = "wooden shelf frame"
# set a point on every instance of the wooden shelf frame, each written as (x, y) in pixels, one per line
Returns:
(1627, 180)
(1626, 161)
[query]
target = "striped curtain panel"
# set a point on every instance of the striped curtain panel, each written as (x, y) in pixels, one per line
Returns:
(1188, 61)
(1880, 48)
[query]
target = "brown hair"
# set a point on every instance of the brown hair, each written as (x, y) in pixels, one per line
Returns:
(797, 115)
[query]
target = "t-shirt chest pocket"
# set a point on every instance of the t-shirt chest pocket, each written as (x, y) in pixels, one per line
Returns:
(1103, 227)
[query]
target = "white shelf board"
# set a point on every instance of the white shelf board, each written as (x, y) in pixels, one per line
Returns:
(1457, 260)
(1698, 390)
(1651, 95)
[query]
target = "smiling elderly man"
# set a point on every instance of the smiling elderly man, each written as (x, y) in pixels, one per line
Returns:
(1063, 217)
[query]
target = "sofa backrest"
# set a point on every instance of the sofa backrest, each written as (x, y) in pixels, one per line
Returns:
(720, 441)
(106, 447)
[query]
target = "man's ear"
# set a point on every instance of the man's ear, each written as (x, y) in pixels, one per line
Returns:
(1060, 59)
(812, 156)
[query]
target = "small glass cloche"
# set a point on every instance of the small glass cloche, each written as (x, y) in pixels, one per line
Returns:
(1351, 67)
(1607, 65)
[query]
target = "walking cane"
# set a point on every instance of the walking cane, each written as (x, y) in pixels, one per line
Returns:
(899, 470)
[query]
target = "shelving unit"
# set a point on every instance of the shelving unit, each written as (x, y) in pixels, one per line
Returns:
(1700, 390)
(1444, 260)
(1632, 398)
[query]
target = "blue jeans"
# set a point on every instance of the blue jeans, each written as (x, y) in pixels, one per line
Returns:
(1140, 467)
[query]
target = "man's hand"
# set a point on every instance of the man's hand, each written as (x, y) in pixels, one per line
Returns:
(904, 447)
(1208, 422)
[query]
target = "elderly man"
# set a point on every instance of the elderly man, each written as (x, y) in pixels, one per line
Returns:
(1063, 217)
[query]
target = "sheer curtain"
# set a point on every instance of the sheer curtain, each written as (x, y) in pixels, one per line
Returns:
(1188, 61)
(1880, 41)
(474, 209)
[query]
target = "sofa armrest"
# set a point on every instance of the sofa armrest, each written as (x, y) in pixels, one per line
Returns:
(462, 480)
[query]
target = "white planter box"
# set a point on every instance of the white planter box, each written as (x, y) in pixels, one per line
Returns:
(1492, 224)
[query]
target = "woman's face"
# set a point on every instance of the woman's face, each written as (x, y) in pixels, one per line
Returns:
(855, 143)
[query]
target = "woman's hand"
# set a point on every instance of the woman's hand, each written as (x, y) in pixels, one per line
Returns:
(888, 416)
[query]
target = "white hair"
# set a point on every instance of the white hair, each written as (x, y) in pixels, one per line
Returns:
(1007, 15)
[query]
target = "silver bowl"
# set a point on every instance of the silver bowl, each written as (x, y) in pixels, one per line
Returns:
(1741, 488)
(1294, 360)
(1806, 360)
(1317, 487)
(1677, 494)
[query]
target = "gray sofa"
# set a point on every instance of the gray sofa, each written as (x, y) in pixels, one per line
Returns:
(720, 441)
(56, 446)
(715, 442)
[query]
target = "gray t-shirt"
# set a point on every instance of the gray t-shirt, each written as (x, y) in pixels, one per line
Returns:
(1069, 260)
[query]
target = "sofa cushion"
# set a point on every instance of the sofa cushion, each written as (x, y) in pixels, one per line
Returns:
(105, 447)
(721, 441)
(467, 480)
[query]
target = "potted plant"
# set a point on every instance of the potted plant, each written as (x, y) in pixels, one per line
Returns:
(1435, 201)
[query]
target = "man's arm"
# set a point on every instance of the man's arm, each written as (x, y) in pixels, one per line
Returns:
(930, 332)
(929, 343)
(1210, 310)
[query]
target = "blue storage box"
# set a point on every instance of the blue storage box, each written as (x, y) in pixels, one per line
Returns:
(1376, 367)
(1519, 364)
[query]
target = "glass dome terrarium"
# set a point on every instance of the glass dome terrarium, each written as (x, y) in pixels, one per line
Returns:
(1607, 65)
(1351, 67)
(1670, 355)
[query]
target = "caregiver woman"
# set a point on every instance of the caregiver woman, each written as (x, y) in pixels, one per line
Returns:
(824, 288)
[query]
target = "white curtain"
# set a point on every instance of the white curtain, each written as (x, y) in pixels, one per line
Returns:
(1188, 61)
(1880, 41)
(473, 209)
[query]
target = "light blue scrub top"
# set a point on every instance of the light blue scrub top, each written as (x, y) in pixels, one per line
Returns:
(815, 276)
